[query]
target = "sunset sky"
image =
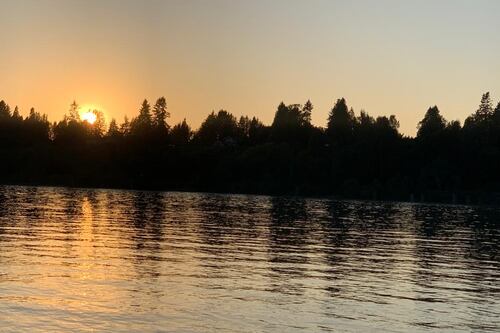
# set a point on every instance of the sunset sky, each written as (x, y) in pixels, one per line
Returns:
(387, 57)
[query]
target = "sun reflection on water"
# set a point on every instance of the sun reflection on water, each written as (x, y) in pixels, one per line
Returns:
(101, 260)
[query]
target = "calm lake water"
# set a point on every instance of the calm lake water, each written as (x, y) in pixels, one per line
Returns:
(78, 260)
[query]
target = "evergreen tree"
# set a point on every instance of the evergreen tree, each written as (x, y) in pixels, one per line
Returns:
(220, 127)
(113, 129)
(244, 126)
(161, 114)
(143, 123)
(483, 115)
(281, 117)
(16, 115)
(496, 116)
(125, 126)
(257, 131)
(4, 109)
(145, 113)
(432, 123)
(99, 125)
(74, 112)
(341, 121)
(306, 113)
(292, 123)
(485, 109)
(181, 133)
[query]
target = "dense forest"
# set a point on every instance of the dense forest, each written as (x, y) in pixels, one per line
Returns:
(355, 156)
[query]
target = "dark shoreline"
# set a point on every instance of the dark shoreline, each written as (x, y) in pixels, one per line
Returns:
(436, 197)
(353, 157)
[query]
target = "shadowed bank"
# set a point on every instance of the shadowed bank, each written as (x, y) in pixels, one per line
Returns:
(355, 156)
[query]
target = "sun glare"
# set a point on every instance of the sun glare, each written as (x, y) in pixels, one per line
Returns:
(89, 113)
(88, 116)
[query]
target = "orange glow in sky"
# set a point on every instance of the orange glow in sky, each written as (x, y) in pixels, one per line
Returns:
(386, 57)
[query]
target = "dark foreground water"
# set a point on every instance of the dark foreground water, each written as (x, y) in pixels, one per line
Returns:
(75, 260)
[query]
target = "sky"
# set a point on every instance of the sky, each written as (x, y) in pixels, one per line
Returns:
(385, 57)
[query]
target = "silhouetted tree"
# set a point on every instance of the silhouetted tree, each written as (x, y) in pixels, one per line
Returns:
(74, 112)
(496, 116)
(15, 115)
(161, 114)
(293, 115)
(483, 113)
(4, 110)
(257, 132)
(306, 112)
(113, 130)
(432, 123)
(181, 133)
(71, 130)
(142, 125)
(292, 123)
(125, 126)
(244, 126)
(341, 122)
(37, 127)
(354, 156)
(221, 127)
(99, 126)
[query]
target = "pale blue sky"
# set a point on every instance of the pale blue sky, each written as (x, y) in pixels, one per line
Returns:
(387, 57)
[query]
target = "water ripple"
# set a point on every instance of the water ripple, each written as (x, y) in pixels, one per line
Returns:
(83, 260)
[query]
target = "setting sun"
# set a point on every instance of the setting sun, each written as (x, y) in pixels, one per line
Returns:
(249, 166)
(89, 116)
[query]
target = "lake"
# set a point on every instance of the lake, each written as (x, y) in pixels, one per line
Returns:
(85, 260)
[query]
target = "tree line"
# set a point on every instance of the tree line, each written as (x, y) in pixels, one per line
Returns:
(355, 156)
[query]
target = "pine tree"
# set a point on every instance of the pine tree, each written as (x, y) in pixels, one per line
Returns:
(481, 119)
(99, 125)
(113, 129)
(142, 125)
(4, 109)
(74, 112)
(16, 115)
(432, 123)
(181, 133)
(485, 109)
(306, 113)
(125, 126)
(341, 121)
(144, 117)
(160, 113)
